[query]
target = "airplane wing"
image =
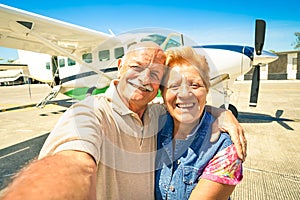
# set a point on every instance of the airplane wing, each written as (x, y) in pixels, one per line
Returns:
(20, 29)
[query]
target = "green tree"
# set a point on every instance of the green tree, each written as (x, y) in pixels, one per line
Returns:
(10, 60)
(296, 44)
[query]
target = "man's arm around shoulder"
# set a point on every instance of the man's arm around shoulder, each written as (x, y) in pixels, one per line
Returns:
(226, 122)
(65, 175)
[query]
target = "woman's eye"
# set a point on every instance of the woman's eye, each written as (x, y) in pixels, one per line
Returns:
(173, 86)
(195, 85)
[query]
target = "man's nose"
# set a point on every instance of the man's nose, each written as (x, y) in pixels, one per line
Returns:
(145, 76)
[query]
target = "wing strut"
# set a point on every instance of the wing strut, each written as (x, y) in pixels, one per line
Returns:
(218, 79)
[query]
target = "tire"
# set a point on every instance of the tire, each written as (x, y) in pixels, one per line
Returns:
(233, 109)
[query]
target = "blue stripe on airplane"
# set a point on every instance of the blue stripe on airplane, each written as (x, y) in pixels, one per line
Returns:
(246, 50)
(86, 74)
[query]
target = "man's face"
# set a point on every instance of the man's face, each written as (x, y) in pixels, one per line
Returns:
(140, 76)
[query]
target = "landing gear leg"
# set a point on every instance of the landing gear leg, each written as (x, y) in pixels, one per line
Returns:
(233, 109)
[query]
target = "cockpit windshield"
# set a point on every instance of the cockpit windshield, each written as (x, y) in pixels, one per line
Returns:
(160, 40)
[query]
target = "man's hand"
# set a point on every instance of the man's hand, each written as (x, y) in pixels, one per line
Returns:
(226, 122)
(65, 175)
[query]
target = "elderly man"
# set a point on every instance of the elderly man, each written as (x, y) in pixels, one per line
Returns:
(104, 147)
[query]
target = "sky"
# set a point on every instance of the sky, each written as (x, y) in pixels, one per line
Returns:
(206, 22)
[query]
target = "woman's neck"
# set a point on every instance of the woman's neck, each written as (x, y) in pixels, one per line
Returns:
(182, 130)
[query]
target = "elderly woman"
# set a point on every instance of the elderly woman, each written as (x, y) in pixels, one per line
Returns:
(188, 165)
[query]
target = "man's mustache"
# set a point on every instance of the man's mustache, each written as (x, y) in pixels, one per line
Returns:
(145, 88)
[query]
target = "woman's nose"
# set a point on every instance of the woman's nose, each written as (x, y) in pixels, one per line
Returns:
(184, 90)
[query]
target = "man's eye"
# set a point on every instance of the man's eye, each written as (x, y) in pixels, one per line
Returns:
(155, 75)
(135, 67)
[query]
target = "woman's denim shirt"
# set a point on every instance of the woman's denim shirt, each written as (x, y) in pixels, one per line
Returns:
(178, 172)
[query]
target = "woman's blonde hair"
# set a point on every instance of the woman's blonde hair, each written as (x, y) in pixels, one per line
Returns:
(187, 55)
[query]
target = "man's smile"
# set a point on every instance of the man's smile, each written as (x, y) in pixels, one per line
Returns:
(145, 88)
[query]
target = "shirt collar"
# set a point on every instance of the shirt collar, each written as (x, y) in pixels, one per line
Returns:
(118, 105)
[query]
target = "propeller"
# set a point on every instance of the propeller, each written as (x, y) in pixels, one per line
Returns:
(260, 29)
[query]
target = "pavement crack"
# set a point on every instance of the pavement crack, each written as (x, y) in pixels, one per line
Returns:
(294, 178)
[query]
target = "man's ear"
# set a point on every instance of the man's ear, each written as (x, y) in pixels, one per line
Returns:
(119, 68)
(119, 63)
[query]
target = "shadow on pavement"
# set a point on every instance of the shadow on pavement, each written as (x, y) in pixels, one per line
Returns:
(64, 102)
(15, 157)
(247, 117)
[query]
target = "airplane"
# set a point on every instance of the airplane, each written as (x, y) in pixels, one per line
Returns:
(84, 61)
(11, 73)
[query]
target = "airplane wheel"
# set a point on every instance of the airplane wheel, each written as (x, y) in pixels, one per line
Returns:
(233, 109)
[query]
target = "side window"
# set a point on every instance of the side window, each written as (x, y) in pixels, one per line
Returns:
(119, 52)
(172, 43)
(103, 55)
(71, 62)
(87, 57)
(47, 65)
(61, 62)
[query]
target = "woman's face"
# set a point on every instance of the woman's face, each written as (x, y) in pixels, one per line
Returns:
(185, 94)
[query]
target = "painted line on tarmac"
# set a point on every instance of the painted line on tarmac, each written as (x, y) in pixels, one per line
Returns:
(290, 177)
(15, 152)
(17, 108)
(25, 108)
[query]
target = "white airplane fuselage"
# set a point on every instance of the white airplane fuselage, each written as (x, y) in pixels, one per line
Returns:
(97, 68)
(233, 61)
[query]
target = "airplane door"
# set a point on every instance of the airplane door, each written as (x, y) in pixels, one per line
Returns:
(55, 70)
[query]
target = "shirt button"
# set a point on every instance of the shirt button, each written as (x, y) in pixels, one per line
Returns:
(172, 188)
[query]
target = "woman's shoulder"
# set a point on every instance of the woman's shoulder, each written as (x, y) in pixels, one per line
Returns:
(225, 138)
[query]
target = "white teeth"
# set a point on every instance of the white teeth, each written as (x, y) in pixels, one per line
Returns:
(145, 88)
(187, 105)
